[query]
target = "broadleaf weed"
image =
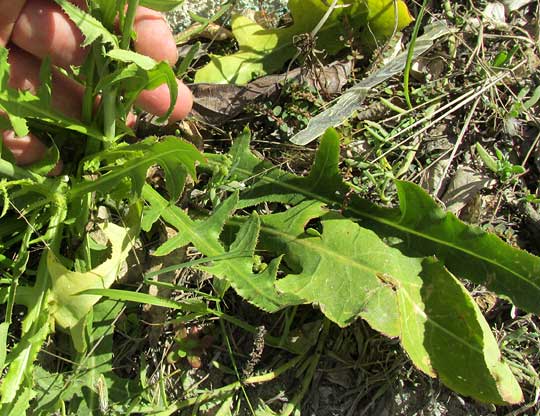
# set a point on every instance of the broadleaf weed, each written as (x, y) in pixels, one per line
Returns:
(284, 243)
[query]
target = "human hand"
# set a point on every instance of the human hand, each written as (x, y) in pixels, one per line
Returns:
(34, 29)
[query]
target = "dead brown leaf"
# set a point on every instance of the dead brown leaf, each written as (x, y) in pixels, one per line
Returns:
(218, 103)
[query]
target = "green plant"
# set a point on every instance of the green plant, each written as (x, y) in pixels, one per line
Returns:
(505, 170)
(298, 103)
(404, 288)
(277, 239)
(264, 51)
(57, 210)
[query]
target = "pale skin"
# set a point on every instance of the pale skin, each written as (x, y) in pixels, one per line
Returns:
(34, 29)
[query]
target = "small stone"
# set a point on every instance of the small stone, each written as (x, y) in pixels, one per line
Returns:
(179, 19)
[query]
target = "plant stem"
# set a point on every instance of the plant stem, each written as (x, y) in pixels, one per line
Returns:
(231, 355)
(88, 98)
(110, 95)
(410, 54)
(268, 339)
(109, 115)
(128, 23)
(92, 144)
(272, 375)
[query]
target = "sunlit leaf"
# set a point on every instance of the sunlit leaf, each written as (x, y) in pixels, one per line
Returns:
(423, 228)
(69, 308)
(91, 28)
(264, 51)
(445, 334)
(255, 287)
(175, 156)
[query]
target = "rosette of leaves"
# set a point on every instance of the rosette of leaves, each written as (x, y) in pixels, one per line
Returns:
(397, 268)
(265, 51)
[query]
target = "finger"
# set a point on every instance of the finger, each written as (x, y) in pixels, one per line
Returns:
(26, 150)
(154, 37)
(24, 75)
(66, 97)
(157, 101)
(44, 30)
(10, 11)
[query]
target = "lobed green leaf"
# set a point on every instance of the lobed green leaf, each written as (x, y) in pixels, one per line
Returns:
(174, 155)
(91, 28)
(423, 228)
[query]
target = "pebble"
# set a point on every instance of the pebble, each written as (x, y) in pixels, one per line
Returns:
(179, 19)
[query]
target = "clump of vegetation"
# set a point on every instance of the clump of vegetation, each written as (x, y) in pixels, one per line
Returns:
(156, 278)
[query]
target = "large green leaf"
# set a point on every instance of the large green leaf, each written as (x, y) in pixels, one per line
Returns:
(348, 271)
(446, 335)
(69, 308)
(340, 269)
(263, 51)
(423, 228)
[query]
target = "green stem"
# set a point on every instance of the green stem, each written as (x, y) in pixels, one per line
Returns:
(128, 23)
(233, 361)
(268, 339)
(410, 55)
(109, 115)
(18, 269)
(88, 98)
(92, 145)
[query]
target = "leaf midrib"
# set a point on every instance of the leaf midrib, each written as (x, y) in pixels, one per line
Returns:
(307, 243)
(347, 260)
(393, 225)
